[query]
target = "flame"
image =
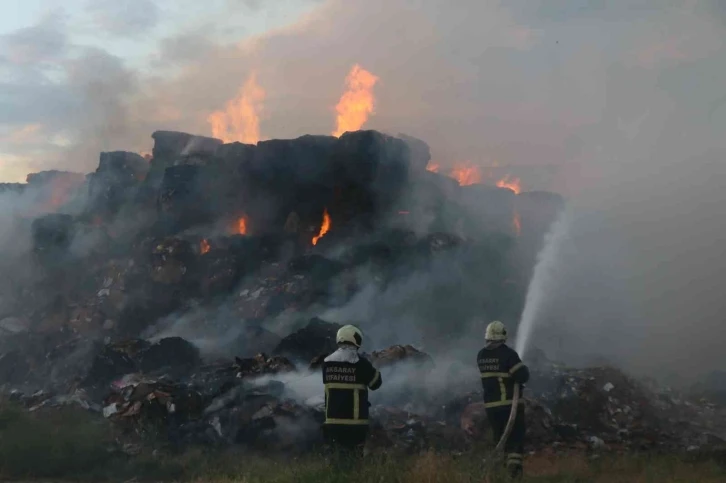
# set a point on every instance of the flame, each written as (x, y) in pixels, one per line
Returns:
(466, 173)
(513, 184)
(56, 191)
(204, 247)
(517, 223)
(324, 227)
(356, 103)
(241, 226)
(240, 120)
(433, 167)
(61, 191)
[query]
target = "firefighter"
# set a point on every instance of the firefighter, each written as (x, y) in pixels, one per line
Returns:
(347, 377)
(501, 368)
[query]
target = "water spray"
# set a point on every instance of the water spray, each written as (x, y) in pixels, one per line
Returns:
(539, 288)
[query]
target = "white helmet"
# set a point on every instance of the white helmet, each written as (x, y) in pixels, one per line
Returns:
(496, 332)
(349, 334)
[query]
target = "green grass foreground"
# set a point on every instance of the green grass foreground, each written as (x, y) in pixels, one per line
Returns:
(69, 445)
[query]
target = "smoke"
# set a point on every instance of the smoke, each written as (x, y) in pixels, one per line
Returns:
(405, 383)
(15, 247)
(626, 98)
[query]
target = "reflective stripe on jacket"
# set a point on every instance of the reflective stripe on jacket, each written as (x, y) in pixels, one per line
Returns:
(500, 368)
(346, 388)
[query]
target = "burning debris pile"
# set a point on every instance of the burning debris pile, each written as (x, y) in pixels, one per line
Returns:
(185, 297)
(164, 392)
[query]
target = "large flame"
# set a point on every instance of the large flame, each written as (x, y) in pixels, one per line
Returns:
(513, 184)
(241, 226)
(204, 247)
(324, 227)
(240, 120)
(466, 173)
(356, 103)
(433, 167)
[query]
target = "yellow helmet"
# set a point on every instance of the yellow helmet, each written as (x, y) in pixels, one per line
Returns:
(496, 331)
(349, 334)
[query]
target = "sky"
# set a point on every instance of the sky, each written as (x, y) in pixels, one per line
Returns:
(496, 83)
(626, 99)
(56, 59)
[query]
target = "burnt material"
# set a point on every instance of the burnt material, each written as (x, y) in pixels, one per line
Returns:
(182, 201)
(14, 188)
(399, 353)
(261, 364)
(113, 183)
(171, 353)
(114, 361)
(52, 235)
(315, 338)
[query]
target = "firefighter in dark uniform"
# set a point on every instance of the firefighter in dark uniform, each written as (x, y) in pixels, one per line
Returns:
(501, 368)
(347, 377)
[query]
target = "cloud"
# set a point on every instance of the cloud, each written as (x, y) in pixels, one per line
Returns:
(45, 42)
(252, 4)
(127, 19)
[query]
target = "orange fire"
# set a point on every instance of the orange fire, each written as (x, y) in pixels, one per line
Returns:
(513, 184)
(56, 191)
(466, 173)
(356, 103)
(61, 191)
(517, 222)
(240, 120)
(433, 167)
(204, 247)
(324, 227)
(242, 226)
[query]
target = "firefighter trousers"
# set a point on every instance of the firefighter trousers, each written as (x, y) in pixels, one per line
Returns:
(514, 447)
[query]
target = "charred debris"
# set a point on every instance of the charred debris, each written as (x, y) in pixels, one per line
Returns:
(183, 298)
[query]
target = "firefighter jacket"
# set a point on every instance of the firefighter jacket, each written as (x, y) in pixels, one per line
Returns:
(347, 377)
(500, 368)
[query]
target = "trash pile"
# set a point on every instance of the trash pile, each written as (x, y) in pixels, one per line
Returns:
(165, 393)
(122, 285)
(598, 408)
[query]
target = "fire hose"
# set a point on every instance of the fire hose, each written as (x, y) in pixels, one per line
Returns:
(507, 431)
(510, 422)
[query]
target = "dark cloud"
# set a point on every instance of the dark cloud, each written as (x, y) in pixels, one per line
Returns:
(124, 18)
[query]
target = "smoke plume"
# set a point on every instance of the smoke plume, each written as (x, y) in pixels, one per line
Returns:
(625, 98)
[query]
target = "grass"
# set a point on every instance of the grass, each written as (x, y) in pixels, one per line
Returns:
(443, 468)
(70, 445)
(58, 443)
